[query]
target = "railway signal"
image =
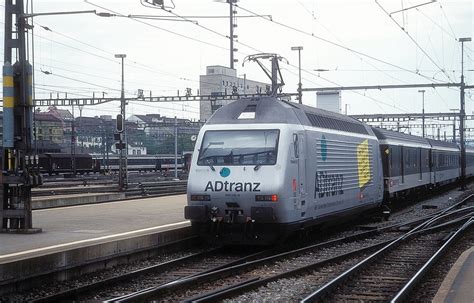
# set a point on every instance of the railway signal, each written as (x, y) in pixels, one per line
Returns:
(119, 123)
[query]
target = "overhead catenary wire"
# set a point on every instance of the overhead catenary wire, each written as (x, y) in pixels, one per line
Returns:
(364, 95)
(106, 78)
(147, 68)
(376, 101)
(141, 66)
(217, 33)
(192, 80)
(357, 55)
(340, 45)
(414, 41)
(447, 20)
(157, 27)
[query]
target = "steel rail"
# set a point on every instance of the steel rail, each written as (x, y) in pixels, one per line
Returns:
(224, 293)
(325, 289)
(149, 292)
(405, 291)
(74, 292)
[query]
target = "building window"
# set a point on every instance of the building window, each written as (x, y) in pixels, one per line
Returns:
(139, 152)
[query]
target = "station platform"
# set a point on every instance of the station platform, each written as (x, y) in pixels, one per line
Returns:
(458, 286)
(74, 199)
(87, 233)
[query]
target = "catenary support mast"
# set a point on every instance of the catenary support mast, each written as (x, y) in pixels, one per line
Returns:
(19, 161)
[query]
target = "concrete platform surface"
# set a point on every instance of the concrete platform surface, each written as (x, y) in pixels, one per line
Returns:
(458, 286)
(67, 227)
(75, 199)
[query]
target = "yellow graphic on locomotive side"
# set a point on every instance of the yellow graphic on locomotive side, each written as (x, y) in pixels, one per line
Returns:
(363, 163)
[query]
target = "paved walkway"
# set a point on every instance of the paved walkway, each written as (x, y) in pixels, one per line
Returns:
(76, 224)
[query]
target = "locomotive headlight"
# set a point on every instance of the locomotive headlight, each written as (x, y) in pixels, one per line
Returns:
(200, 198)
(266, 198)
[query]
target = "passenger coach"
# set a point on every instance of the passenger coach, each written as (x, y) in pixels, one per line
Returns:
(445, 162)
(406, 162)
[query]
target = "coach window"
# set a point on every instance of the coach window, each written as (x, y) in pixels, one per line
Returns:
(415, 160)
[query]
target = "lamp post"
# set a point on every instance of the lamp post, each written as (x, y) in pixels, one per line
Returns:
(300, 93)
(123, 137)
(422, 91)
(462, 114)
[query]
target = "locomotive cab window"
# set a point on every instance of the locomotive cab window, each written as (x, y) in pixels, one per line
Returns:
(239, 147)
(296, 146)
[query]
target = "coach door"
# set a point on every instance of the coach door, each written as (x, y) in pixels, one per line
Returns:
(300, 154)
(402, 164)
(420, 163)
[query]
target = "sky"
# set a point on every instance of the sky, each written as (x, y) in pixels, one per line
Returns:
(357, 42)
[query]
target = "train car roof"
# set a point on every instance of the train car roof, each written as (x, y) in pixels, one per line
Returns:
(443, 145)
(64, 155)
(396, 138)
(271, 110)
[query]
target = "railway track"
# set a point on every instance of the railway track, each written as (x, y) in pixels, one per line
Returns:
(252, 272)
(134, 189)
(161, 273)
(316, 261)
(393, 271)
(316, 265)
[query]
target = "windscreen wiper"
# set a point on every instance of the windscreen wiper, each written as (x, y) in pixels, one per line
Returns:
(208, 162)
(257, 167)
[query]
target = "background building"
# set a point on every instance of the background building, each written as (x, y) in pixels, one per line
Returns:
(49, 128)
(330, 100)
(221, 80)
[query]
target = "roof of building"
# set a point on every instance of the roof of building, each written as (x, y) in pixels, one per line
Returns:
(137, 144)
(63, 114)
(157, 118)
(89, 121)
(47, 117)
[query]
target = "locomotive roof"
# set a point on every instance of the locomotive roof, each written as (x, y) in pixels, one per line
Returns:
(390, 135)
(266, 109)
(271, 110)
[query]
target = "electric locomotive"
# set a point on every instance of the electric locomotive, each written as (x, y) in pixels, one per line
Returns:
(263, 168)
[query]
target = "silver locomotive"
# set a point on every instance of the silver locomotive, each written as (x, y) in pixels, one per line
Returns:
(263, 168)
